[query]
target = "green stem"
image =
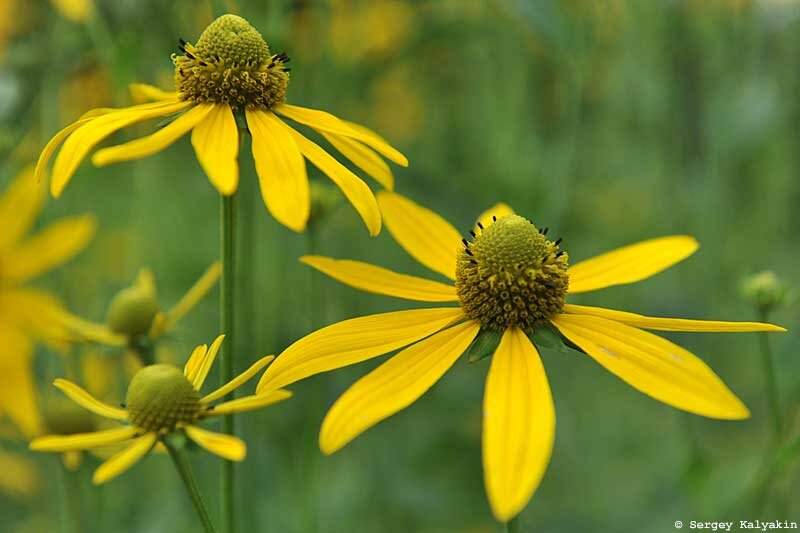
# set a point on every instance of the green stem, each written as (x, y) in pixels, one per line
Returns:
(770, 384)
(512, 526)
(69, 493)
(184, 468)
(226, 310)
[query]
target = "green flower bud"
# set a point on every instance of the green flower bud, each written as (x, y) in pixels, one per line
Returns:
(131, 312)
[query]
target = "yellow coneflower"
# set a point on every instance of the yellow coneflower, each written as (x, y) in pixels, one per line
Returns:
(28, 314)
(162, 400)
(134, 317)
(510, 280)
(231, 71)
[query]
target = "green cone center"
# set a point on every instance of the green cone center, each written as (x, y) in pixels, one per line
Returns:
(160, 397)
(511, 275)
(131, 312)
(231, 64)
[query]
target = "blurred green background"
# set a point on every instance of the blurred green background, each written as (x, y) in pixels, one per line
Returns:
(610, 122)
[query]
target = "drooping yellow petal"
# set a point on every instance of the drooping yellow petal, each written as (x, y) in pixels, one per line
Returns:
(239, 380)
(50, 148)
(201, 287)
(125, 459)
(81, 330)
(207, 362)
(653, 365)
(353, 341)
(53, 246)
(18, 476)
(18, 398)
(193, 364)
(669, 324)
(142, 92)
(89, 402)
(356, 191)
(250, 403)
(394, 385)
(380, 280)
(226, 446)
(498, 210)
(216, 144)
(19, 207)
(38, 312)
(155, 142)
(281, 170)
(364, 158)
(630, 263)
(325, 122)
(429, 238)
(82, 441)
(519, 423)
(86, 137)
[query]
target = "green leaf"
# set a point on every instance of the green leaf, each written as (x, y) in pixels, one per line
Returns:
(483, 345)
(549, 338)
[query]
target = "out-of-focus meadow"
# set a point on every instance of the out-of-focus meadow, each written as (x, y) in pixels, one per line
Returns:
(609, 122)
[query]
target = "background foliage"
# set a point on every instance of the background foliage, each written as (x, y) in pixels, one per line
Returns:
(610, 122)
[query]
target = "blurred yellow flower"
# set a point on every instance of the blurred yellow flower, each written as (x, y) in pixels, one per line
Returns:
(75, 10)
(510, 281)
(231, 70)
(162, 400)
(135, 318)
(369, 29)
(27, 314)
(18, 476)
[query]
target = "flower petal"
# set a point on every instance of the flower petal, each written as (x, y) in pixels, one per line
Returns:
(281, 170)
(239, 380)
(519, 423)
(82, 441)
(325, 122)
(125, 459)
(18, 399)
(86, 137)
(429, 238)
(80, 330)
(394, 385)
(19, 207)
(18, 476)
(379, 280)
(356, 191)
(207, 363)
(250, 403)
(226, 446)
(630, 263)
(153, 143)
(192, 366)
(353, 341)
(50, 148)
(39, 313)
(364, 158)
(53, 246)
(89, 402)
(216, 144)
(142, 92)
(653, 365)
(201, 287)
(669, 324)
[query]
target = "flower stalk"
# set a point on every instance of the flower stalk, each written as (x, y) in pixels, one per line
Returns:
(770, 383)
(228, 251)
(175, 446)
(512, 526)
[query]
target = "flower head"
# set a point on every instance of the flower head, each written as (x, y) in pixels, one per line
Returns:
(509, 279)
(29, 315)
(135, 317)
(230, 71)
(162, 400)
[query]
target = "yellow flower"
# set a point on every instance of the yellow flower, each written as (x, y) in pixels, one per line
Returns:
(231, 70)
(18, 476)
(134, 316)
(510, 281)
(162, 400)
(27, 314)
